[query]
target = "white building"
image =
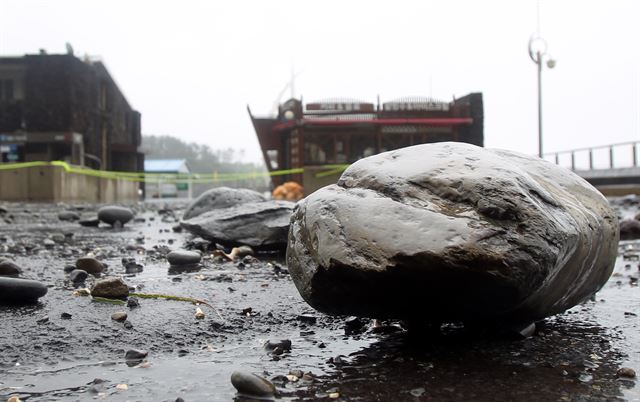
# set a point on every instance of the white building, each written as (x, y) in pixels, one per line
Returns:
(166, 187)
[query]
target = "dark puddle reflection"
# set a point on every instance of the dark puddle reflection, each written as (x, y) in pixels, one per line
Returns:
(564, 360)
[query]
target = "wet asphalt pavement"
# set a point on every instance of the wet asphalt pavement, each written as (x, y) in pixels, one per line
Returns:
(574, 356)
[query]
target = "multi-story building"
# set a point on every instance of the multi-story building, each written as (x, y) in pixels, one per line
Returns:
(306, 140)
(59, 107)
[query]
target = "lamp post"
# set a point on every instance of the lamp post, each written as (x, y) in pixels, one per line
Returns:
(538, 52)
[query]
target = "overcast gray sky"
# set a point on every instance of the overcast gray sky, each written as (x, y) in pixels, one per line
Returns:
(191, 67)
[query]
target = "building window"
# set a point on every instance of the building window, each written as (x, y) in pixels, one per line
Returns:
(6, 90)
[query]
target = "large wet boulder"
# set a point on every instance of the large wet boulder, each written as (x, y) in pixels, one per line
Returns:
(262, 225)
(220, 197)
(112, 214)
(452, 232)
(14, 290)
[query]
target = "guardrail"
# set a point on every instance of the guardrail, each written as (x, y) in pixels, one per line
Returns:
(613, 156)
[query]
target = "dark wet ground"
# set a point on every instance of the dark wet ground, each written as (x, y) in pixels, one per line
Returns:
(572, 357)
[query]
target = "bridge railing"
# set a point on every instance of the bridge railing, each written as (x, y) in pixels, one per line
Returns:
(613, 156)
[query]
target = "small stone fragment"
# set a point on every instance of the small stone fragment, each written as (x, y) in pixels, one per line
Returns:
(122, 387)
(90, 222)
(65, 316)
(283, 344)
(133, 302)
(199, 313)
(135, 354)
(78, 275)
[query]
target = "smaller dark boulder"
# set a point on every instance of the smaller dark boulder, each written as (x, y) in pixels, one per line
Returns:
(183, 257)
(629, 229)
(112, 214)
(110, 288)
(89, 264)
(8, 268)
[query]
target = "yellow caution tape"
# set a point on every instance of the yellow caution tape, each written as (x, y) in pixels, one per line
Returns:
(173, 178)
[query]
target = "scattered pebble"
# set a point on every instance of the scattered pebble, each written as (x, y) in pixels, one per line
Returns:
(90, 264)
(119, 316)
(68, 216)
(133, 302)
(78, 275)
(183, 257)
(115, 215)
(8, 268)
(199, 313)
(110, 288)
(252, 385)
(626, 372)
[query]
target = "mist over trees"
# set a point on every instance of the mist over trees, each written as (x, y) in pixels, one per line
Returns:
(201, 158)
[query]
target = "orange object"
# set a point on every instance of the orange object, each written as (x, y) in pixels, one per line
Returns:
(290, 191)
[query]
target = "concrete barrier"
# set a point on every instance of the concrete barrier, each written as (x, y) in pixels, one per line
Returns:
(54, 184)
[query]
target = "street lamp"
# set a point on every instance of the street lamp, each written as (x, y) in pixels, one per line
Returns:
(538, 53)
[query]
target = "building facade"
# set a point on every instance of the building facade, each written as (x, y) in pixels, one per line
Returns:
(58, 107)
(337, 132)
(171, 188)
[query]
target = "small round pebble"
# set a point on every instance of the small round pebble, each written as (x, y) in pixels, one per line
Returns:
(626, 372)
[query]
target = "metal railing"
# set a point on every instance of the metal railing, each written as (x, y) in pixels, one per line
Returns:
(613, 156)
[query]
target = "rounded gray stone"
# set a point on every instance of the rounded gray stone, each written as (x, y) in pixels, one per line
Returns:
(220, 197)
(252, 385)
(90, 265)
(183, 257)
(112, 213)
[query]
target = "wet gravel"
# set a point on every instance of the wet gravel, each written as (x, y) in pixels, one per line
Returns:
(574, 356)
